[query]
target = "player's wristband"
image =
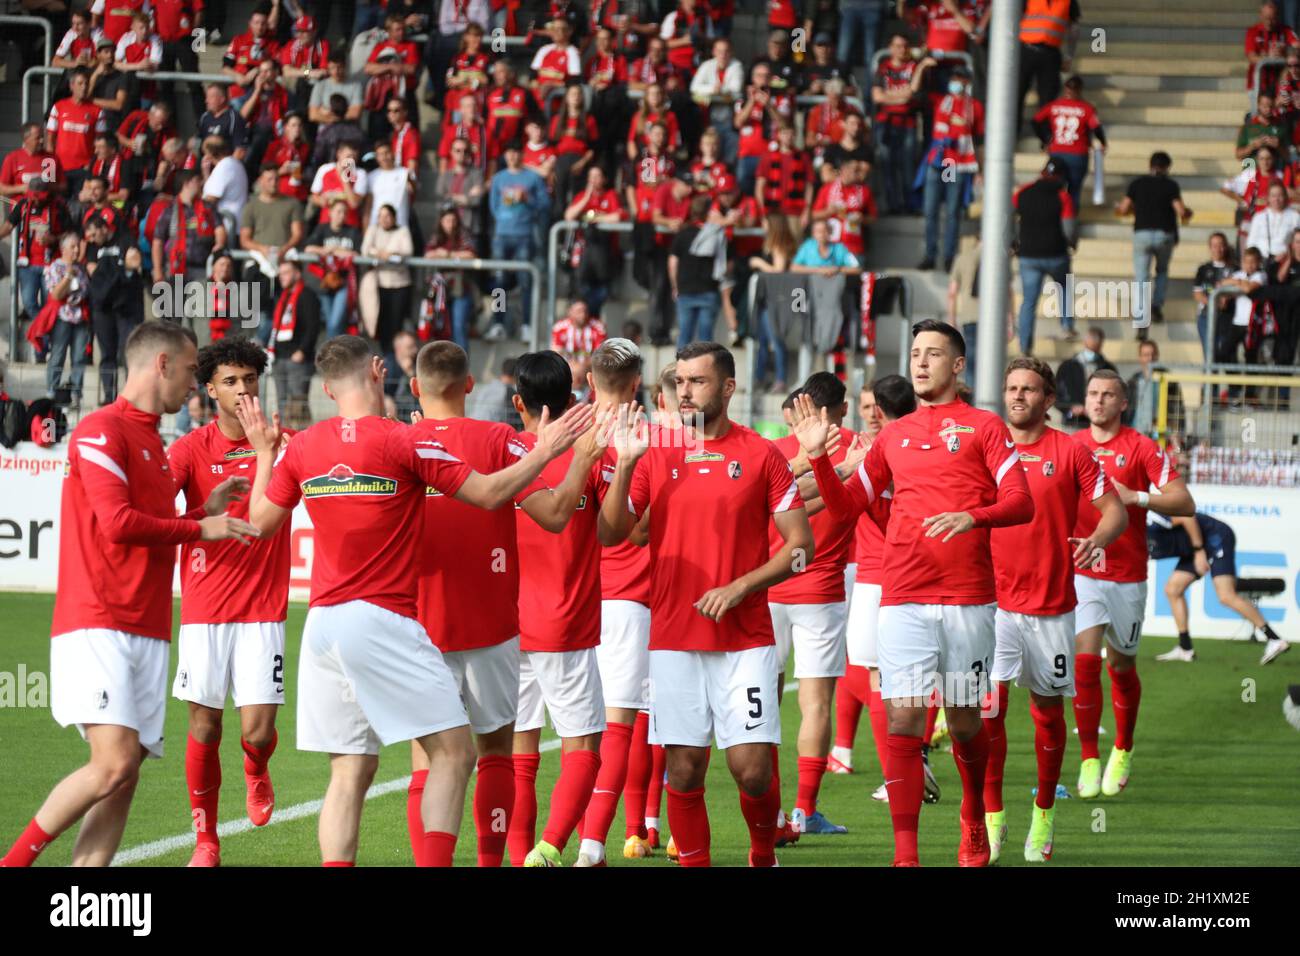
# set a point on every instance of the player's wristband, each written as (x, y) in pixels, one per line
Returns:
(1199, 547)
(1143, 499)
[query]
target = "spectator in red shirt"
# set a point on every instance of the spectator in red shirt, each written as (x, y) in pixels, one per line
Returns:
(539, 154)
(29, 163)
(1267, 40)
(578, 334)
(606, 75)
(263, 109)
(1288, 88)
(77, 48)
(71, 128)
(957, 140)
(1066, 127)
(305, 60)
(709, 166)
(405, 138)
(685, 31)
(755, 119)
(573, 133)
(847, 205)
(246, 51)
(825, 122)
(115, 20)
(39, 217)
(392, 68)
(600, 260)
(177, 21)
(469, 128)
(556, 64)
(468, 72)
(785, 181)
(289, 154)
(654, 109)
(508, 105)
(654, 68)
(896, 93)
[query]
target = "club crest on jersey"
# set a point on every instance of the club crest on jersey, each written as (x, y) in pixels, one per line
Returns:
(1119, 460)
(1049, 469)
(702, 456)
(237, 453)
(952, 443)
(342, 480)
(733, 469)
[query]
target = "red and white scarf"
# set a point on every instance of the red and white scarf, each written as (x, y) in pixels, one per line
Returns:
(286, 316)
(204, 226)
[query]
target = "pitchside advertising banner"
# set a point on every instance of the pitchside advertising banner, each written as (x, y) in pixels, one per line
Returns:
(1265, 519)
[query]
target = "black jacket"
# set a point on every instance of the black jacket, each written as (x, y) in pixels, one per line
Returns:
(1072, 386)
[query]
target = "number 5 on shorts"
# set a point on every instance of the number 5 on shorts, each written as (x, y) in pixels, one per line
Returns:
(756, 702)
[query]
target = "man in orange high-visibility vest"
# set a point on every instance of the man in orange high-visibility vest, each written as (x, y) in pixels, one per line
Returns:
(1044, 27)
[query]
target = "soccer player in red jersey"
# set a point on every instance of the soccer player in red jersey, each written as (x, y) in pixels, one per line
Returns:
(233, 605)
(885, 400)
(113, 613)
(809, 614)
(1113, 595)
(559, 622)
(954, 477)
(622, 655)
(369, 676)
(469, 551)
(713, 667)
(1034, 565)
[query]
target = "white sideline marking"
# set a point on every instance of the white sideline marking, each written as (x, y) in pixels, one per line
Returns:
(157, 848)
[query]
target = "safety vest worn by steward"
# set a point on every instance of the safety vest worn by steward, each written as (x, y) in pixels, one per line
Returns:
(1045, 22)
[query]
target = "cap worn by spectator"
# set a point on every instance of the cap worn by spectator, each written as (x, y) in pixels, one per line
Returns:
(726, 183)
(105, 42)
(304, 24)
(822, 39)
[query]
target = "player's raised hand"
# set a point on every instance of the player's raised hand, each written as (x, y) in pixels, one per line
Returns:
(225, 528)
(554, 438)
(810, 425)
(1087, 553)
(232, 489)
(858, 449)
(953, 522)
(718, 601)
(592, 445)
(264, 436)
(631, 434)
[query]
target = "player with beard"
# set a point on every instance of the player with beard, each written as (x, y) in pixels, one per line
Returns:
(713, 663)
(954, 478)
(1035, 565)
(1113, 595)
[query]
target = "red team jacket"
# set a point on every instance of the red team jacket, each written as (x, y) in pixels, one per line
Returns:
(364, 482)
(1064, 481)
(1136, 462)
(940, 458)
(227, 582)
(711, 506)
(118, 528)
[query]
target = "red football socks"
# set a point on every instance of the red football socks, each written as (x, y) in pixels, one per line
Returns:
(905, 778)
(640, 765)
(849, 701)
(614, 746)
(494, 801)
(439, 848)
(1087, 702)
(522, 834)
(1049, 747)
(203, 780)
(28, 846)
(256, 758)
(995, 722)
(654, 794)
(760, 816)
(334, 863)
(578, 770)
(879, 726)
(972, 759)
(811, 771)
(414, 821)
(1125, 696)
(688, 819)
(931, 716)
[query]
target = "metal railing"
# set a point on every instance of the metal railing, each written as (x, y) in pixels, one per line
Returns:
(1259, 70)
(423, 262)
(1258, 416)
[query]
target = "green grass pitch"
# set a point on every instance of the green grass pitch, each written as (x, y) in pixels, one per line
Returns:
(1214, 777)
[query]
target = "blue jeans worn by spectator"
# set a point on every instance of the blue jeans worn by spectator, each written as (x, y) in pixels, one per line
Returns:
(1076, 168)
(720, 115)
(334, 310)
(514, 247)
(32, 289)
(860, 19)
(1148, 245)
(768, 340)
(747, 174)
(462, 311)
(1033, 272)
(970, 332)
(948, 194)
(64, 337)
(896, 158)
(696, 314)
(595, 296)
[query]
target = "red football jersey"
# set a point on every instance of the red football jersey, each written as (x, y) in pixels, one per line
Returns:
(174, 19)
(1034, 562)
(856, 201)
(940, 458)
(821, 582)
(709, 510)
(245, 53)
(1071, 123)
(406, 144)
(118, 528)
(559, 582)
(625, 567)
(506, 108)
(226, 582)
(116, 15)
(942, 31)
(364, 481)
(869, 540)
(1259, 40)
(21, 166)
(470, 551)
(1136, 462)
(74, 126)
